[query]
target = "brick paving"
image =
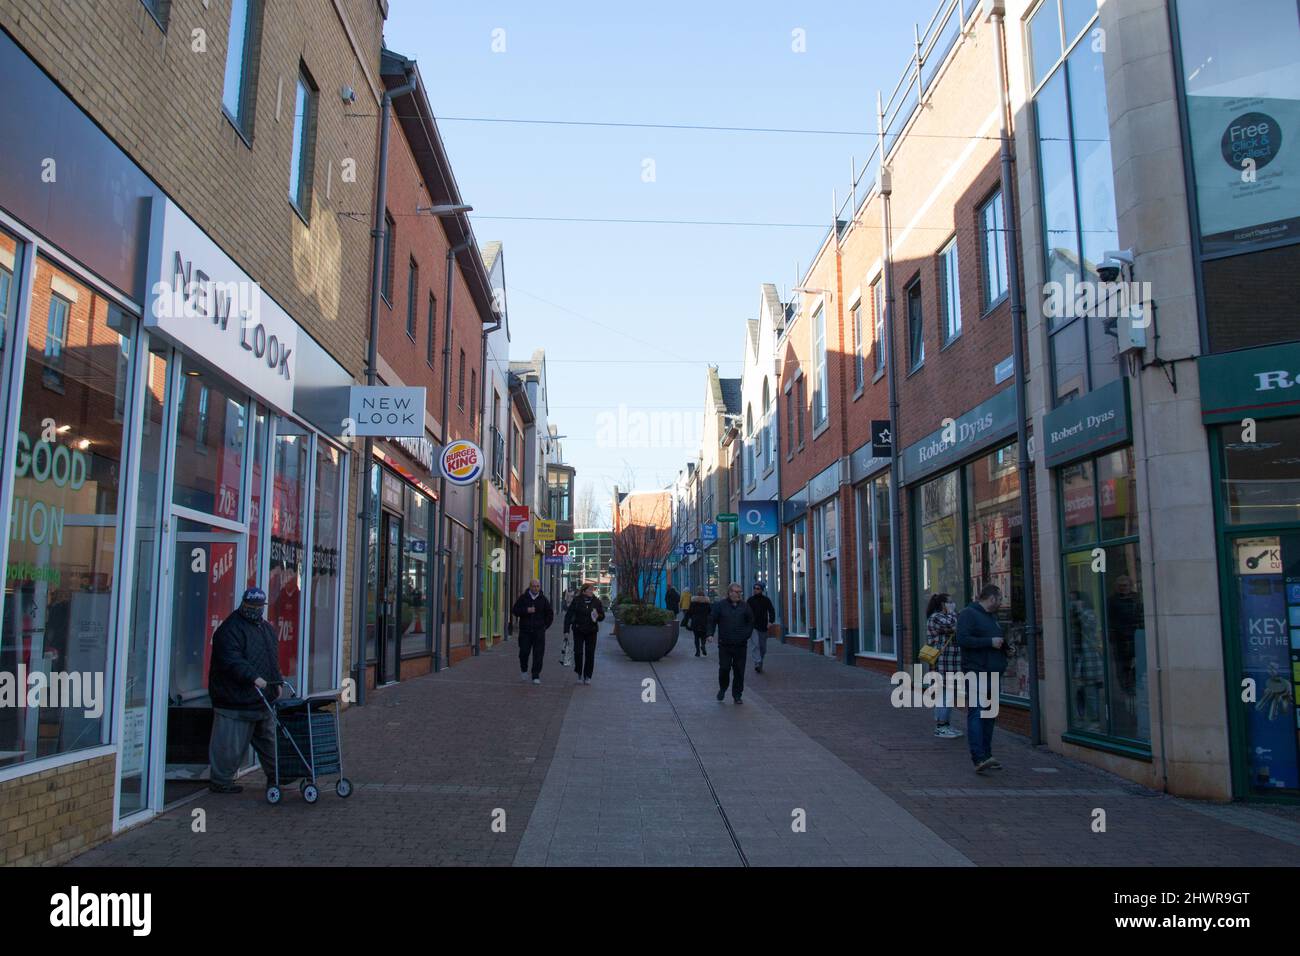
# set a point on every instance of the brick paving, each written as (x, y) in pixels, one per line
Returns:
(594, 775)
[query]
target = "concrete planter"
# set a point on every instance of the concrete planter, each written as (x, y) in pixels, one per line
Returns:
(647, 642)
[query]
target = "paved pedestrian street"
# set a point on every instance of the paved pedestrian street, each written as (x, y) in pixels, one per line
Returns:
(645, 767)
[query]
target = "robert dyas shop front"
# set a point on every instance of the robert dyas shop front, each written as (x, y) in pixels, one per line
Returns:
(161, 452)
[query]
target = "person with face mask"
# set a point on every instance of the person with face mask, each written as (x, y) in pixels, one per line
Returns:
(245, 660)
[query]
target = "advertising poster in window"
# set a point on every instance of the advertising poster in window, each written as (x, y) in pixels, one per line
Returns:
(1266, 660)
(1242, 77)
(1247, 156)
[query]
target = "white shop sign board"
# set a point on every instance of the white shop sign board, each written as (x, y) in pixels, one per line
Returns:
(201, 300)
(385, 411)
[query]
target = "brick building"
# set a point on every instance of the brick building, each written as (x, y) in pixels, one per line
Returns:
(184, 251)
(420, 343)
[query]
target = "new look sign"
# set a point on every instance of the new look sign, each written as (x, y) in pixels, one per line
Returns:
(202, 301)
(384, 411)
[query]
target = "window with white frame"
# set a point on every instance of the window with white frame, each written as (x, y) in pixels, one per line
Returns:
(821, 400)
(859, 365)
(949, 292)
(993, 246)
(878, 317)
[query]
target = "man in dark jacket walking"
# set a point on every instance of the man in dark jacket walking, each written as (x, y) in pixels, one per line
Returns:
(733, 622)
(672, 601)
(245, 660)
(583, 617)
(535, 616)
(979, 635)
(764, 615)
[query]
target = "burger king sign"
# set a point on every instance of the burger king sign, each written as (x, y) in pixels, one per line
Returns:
(462, 462)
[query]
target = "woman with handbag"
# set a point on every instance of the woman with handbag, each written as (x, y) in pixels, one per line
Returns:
(941, 633)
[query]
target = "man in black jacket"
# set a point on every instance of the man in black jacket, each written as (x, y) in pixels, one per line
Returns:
(535, 616)
(979, 635)
(733, 622)
(245, 659)
(764, 614)
(583, 617)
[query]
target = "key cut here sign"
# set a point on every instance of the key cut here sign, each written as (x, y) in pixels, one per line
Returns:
(383, 411)
(201, 300)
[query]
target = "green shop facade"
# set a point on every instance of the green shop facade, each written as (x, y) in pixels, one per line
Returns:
(1250, 405)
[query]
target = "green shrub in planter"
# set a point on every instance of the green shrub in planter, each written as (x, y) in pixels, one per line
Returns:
(639, 614)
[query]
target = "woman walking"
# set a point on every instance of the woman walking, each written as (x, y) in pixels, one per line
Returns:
(698, 621)
(583, 619)
(941, 633)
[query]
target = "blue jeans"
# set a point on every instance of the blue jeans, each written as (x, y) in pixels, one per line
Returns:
(979, 733)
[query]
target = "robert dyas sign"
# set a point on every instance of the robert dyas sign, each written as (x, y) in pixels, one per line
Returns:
(201, 300)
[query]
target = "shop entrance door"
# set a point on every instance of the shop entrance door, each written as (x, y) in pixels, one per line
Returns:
(830, 616)
(205, 588)
(390, 554)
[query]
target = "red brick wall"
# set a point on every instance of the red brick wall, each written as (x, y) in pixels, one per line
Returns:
(423, 238)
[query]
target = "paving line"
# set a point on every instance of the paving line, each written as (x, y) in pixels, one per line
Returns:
(731, 832)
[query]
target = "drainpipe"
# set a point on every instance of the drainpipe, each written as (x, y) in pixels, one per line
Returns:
(1018, 357)
(379, 234)
(440, 578)
(478, 499)
(895, 462)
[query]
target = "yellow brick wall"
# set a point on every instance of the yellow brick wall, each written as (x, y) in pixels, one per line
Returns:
(52, 816)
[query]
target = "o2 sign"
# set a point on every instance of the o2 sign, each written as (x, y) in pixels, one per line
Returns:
(461, 462)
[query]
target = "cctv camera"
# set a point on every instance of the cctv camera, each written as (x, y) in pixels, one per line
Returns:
(1112, 265)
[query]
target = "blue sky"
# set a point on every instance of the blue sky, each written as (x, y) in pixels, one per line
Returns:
(631, 314)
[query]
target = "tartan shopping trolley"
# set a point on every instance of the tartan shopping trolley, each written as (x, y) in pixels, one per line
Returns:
(310, 728)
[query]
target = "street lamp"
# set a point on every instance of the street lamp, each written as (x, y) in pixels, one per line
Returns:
(447, 209)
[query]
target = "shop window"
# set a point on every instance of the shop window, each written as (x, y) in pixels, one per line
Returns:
(212, 421)
(1261, 480)
(993, 246)
(260, 428)
(877, 595)
(797, 610)
(459, 561)
(950, 292)
(372, 571)
(995, 545)
(137, 729)
(416, 632)
(1250, 299)
(287, 567)
(239, 89)
(326, 568)
(940, 567)
(303, 155)
(1107, 693)
(63, 524)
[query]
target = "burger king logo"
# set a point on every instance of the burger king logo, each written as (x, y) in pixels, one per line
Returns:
(462, 462)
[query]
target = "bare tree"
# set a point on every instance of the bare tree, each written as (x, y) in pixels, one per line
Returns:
(587, 513)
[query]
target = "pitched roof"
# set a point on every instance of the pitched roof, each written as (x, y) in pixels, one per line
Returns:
(731, 399)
